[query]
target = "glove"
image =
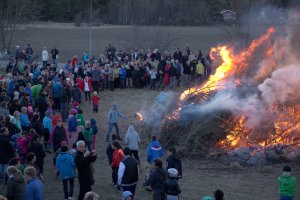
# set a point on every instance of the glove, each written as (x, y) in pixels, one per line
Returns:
(86, 154)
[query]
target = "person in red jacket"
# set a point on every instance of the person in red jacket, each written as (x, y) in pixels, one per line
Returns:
(55, 117)
(118, 156)
(80, 83)
(74, 61)
(95, 102)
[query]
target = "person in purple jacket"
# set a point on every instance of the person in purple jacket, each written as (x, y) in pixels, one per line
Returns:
(72, 127)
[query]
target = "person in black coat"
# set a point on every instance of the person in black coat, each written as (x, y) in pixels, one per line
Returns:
(174, 161)
(14, 106)
(110, 150)
(12, 128)
(37, 125)
(136, 77)
(83, 160)
(42, 104)
(6, 151)
(172, 187)
(177, 55)
(38, 149)
(128, 174)
(76, 94)
(157, 180)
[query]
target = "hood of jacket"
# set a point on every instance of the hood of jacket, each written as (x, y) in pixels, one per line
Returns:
(175, 157)
(131, 129)
(93, 122)
(114, 107)
(155, 144)
(63, 156)
(18, 177)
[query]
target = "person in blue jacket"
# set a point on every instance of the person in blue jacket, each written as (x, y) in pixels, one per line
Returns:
(66, 167)
(112, 119)
(122, 77)
(24, 119)
(154, 150)
(57, 94)
(34, 188)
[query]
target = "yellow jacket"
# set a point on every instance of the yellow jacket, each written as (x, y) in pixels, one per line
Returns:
(117, 72)
(200, 68)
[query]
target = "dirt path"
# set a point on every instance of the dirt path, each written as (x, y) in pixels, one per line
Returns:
(201, 177)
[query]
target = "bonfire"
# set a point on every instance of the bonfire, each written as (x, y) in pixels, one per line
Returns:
(248, 109)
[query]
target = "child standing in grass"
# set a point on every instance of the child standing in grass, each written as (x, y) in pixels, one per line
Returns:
(95, 102)
(287, 184)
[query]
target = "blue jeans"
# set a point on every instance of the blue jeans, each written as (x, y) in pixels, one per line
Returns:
(64, 110)
(282, 197)
(110, 127)
(122, 83)
(68, 193)
(3, 168)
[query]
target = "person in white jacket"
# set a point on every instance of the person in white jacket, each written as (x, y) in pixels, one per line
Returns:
(45, 56)
(132, 141)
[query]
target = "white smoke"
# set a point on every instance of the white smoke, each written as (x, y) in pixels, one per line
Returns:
(277, 78)
(155, 114)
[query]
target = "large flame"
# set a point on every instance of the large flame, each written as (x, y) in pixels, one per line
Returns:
(282, 128)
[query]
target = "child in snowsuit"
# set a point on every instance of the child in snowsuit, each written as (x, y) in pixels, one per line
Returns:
(172, 188)
(95, 102)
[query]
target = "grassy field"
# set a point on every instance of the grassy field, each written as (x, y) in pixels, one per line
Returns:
(71, 41)
(201, 177)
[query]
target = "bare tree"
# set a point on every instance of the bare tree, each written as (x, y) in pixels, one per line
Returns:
(12, 13)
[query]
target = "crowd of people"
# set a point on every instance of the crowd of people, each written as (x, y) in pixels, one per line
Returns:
(40, 112)
(128, 69)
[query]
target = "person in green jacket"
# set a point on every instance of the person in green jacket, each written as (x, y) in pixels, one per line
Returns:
(80, 120)
(287, 184)
(36, 91)
(88, 135)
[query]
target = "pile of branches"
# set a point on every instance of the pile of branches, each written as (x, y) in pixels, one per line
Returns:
(197, 138)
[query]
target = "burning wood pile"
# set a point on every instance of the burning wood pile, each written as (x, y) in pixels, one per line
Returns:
(248, 109)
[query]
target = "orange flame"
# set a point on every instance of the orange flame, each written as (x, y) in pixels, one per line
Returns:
(139, 116)
(285, 128)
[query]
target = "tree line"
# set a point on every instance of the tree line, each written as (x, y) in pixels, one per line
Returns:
(121, 12)
(140, 12)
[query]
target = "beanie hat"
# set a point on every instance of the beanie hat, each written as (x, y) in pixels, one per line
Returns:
(172, 172)
(126, 194)
(287, 169)
(208, 198)
(75, 104)
(73, 111)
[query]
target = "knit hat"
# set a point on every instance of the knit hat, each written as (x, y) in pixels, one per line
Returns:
(208, 198)
(63, 143)
(287, 169)
(30, 157)
(75, 104)
(73, 111)
(172, 172)
(95, 92)
(126, 194)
